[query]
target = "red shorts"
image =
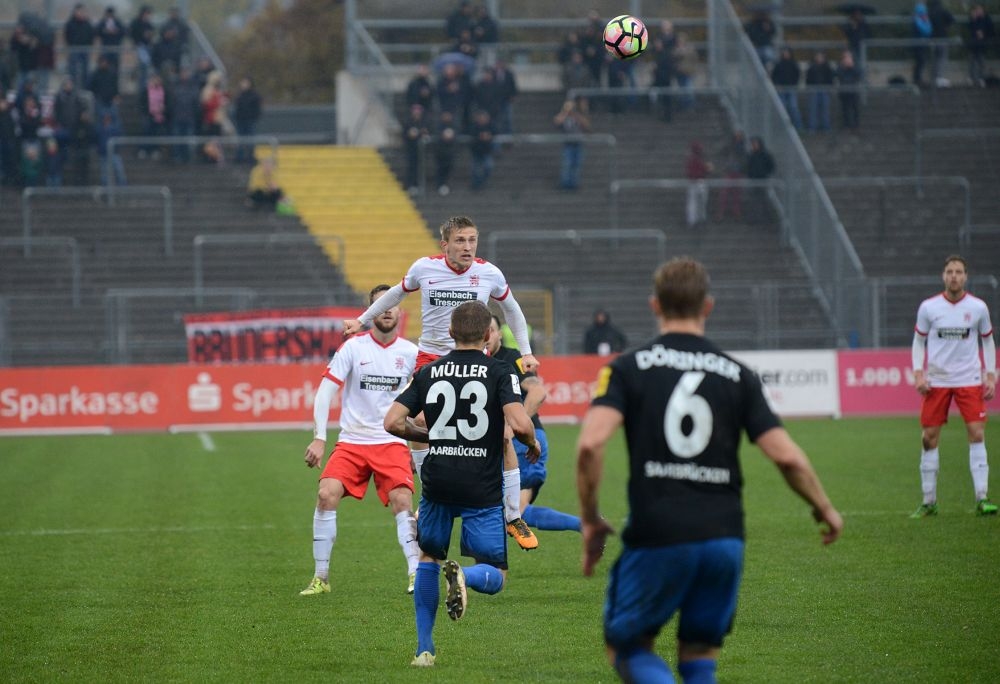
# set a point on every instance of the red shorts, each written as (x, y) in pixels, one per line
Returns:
(354, 465)
(934, 410)
(424, 358)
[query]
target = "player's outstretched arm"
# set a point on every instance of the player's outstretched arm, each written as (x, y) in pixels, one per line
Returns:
(798, 472)
(321, 417)
(396, 423)
(519, 421)
(599, 425)
(392, 297)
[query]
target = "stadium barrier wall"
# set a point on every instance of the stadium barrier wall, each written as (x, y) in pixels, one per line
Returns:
(201, 397)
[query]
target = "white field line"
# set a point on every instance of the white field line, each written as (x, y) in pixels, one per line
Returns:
(206, 441)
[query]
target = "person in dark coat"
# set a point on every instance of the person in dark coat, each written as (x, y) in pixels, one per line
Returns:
(602, 337)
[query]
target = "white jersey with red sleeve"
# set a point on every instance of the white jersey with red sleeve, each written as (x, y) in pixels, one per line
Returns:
(371, 375)
(953, 331)
(442, 288)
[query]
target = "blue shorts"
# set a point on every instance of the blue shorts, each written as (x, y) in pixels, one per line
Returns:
(648, 585)
(533, 474)
(484, 533)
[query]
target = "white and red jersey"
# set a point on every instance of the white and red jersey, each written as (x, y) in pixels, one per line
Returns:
(442, 288)
(371, 375)
(953, 331)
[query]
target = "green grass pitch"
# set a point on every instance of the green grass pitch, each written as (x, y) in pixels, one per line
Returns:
(160, 557)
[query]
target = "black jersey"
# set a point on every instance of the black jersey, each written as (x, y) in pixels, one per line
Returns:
(462, 395)
(685, 404)
(513, 357)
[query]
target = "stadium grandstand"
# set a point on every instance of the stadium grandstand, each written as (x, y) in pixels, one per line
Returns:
(834, 249)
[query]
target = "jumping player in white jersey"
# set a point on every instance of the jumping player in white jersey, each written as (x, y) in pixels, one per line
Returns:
(951, 328)
(372, 369)
(445, 281)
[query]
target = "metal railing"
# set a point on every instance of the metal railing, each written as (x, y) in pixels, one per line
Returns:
(67, 242)
(118, 303)
(903, 294)
(929, 133)
(182, 140)
(524, 139)
(966, 232)
(202, 241)
(884, 182)
(809, 219)
(616, 187)
(110, 192)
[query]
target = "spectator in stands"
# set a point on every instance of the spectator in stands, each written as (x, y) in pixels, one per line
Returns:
(487, 95)
(921, 30)
(155, 109)
(108, 128)
(697, 169)
(572, 120)
(761, 31)
(507, 84)
(485, 34)
(202, 70)
(464, 45)
(81, 144)
(941, 22)
(416, 128)
(760, 166)
(856, 31)
(461, 19)
(685, 58)
(247, 110)
(849, 76)
(444, 152)
(663, 66)
(214, 120)
(733, 159)
(420, 90)
(10, 152)
(169, 50)
(185, 111)
(111, 34)
(32, 168)
(78, 34)
(30, 120)
(53, 163)
(454, 93)
(26, 48)
(576, 74)
(143, 33)
(785, 75)
(481, 131)
(981, 34)
(819, 76)
(103, 85)
(602, 337)
(264, 188)
(6, 69)
(66, 110)
(621, 75)
(594, 53)
(570, 46)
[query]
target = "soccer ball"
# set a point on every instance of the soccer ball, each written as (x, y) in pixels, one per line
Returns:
(625, 37)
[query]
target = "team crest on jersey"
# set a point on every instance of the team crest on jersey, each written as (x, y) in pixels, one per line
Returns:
(967, 317)
(474, 280)
(400, 363)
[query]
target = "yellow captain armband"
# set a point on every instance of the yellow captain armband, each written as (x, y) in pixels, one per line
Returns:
(603, 377)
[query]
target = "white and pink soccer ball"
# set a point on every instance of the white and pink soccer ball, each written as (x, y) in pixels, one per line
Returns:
(625, 37)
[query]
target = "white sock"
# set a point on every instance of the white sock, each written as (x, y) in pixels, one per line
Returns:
(929, 461)
(418, 459)
(324, 534)
(512, 494)
(406, 533)
(980, 469)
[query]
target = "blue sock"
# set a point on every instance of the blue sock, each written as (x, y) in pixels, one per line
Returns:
(701, 671)
(483, 578)
(426, 594)
(543, 518)
(641, 665)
